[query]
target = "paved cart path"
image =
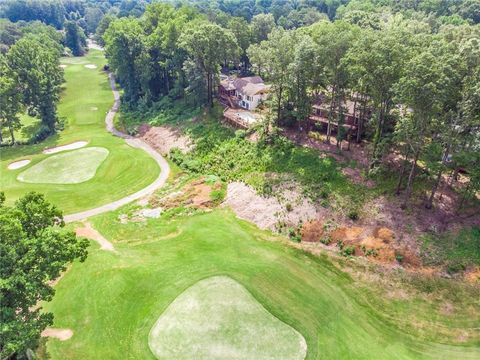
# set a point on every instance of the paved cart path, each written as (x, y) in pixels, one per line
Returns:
(136, 143)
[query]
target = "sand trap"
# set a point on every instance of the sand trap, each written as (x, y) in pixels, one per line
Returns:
(90, 66)
(60, 334)
(217, 318)
(18, 164)
(72, 146)
(63, 66)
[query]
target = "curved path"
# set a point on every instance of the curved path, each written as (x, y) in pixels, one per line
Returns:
(136, 143)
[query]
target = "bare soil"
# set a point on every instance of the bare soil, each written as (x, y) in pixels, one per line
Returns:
(289, 208)
(60, 334)
(90, 233)
(164, 138)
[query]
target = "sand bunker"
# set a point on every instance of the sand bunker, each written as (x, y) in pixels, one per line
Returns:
(72, 146)
(217, 318)
(60, 334)
(18, 164)
(90, 66)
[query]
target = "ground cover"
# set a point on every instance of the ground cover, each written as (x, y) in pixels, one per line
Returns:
(119, 296)
(84, 103)
(217, 318)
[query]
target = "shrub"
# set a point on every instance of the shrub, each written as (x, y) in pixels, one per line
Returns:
(399, 258)
(348, 251)
(353, 215)
(289, 207)
(455, 267)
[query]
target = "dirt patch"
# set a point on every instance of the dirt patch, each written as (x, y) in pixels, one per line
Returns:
(60, 334)
(72, 146)
(195, 194)
(90, 233)
(473, 275)
(355, 176)
(18, 164)
(288, 209)
(164, 138)
(312, 231)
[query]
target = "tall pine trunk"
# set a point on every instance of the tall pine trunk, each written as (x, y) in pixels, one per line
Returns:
(411, 177)
(402, 171)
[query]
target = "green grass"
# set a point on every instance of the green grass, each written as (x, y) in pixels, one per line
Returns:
(125, 171)
(217, 318)
(112, 301)
(72, 167)
(457, 249)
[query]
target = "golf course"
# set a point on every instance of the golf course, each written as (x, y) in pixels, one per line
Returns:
(105, 170)
(200, 283)
(131, 303)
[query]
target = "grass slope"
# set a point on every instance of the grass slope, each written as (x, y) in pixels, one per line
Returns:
(113, 300)
(72, 167)
(84, 103)
(217, 318)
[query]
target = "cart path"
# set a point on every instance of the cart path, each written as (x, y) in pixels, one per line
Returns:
(133, 142)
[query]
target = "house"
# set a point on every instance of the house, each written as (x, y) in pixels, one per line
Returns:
(353, 114)
(245, 92)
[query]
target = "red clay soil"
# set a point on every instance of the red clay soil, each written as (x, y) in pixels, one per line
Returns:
(195, 194)
(312, 231)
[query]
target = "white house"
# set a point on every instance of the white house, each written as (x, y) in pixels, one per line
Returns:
(246, 92)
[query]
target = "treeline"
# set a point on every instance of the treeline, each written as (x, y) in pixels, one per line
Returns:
(86, 13)
(30, 79)
(418, 78)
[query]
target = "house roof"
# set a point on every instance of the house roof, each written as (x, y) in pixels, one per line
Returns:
(251, 85)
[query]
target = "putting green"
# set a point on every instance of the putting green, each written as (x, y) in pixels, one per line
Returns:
(217, 318)
(73, 167)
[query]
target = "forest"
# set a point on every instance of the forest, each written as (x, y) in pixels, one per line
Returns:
(410, 69)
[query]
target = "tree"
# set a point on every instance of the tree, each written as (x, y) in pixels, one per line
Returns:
(93, 16)
(262, 25)
(102, 27)
(333, 41)
(377, 61)
(277, 54)
(209, 45)
(34, 249)
(428, 81)
(124, 46)
(243, 34)
(10, 101)
(75, 38)
(41, 88)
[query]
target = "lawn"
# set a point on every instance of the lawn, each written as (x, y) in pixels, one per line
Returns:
(217, 318)
(113, 300)
(84, 103)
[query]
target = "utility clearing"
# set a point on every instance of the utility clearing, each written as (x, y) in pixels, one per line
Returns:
(217, 318)
(68, 168)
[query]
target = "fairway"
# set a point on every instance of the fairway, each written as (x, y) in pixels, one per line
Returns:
(113, 300)
(73, 167)
(124, 171)
(217, 318)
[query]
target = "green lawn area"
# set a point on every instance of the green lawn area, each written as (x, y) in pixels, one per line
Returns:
(84, 103)
(112, 301)
(217, 318)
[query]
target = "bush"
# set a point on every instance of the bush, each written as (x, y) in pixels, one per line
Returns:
(455, 267)
(348, 251)
(353, 215)
(288, 207)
